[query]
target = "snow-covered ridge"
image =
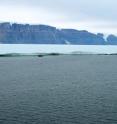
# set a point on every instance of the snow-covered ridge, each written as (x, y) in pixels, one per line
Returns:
(31, 49)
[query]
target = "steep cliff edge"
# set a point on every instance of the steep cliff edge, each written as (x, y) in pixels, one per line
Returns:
(44, 34)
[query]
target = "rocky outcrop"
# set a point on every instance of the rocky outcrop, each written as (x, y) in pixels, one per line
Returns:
(112, 40)
(81, 37)
(43, 34)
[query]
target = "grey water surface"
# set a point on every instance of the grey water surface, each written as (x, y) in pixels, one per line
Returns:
(68, 89)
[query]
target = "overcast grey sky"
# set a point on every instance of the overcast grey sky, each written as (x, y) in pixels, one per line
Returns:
(91, 15)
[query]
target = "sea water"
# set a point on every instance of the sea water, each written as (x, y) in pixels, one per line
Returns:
(67, 89)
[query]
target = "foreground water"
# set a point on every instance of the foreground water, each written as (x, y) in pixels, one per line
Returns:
(67, 89)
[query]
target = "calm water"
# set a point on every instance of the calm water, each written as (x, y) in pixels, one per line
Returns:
(58, 90)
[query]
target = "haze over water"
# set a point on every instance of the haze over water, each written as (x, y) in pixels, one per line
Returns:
(58, 90)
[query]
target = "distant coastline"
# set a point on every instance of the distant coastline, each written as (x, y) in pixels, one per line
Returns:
(44, 34)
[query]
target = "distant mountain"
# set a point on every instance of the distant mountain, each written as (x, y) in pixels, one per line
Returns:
(44, 34)
(112, 40)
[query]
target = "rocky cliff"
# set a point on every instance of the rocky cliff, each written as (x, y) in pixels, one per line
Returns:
(43, 34)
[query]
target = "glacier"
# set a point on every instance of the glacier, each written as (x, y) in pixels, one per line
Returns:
(34, 49)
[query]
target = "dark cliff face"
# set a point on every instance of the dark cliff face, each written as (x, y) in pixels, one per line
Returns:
(81, 37)
(112, 40)
(18, 33)
(43, 34)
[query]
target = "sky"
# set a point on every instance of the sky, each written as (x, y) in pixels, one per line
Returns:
(92, 15)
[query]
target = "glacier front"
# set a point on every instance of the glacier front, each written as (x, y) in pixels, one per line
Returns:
(62, 49)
